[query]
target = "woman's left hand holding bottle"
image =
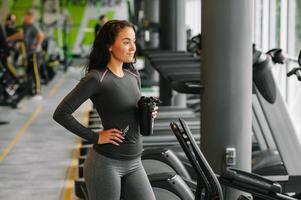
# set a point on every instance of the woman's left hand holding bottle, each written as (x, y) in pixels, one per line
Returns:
(155, 112)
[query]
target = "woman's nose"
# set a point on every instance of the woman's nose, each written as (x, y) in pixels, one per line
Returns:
(133, 47)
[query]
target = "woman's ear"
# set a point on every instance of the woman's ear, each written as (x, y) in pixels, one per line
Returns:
(109, 48)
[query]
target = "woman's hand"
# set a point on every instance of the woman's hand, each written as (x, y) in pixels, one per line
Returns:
(113, 136)
(155, 112)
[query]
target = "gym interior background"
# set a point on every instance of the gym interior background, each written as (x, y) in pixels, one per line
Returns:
(235, 63)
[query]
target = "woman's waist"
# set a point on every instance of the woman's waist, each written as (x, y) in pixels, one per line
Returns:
(123, 151)
(129, 123)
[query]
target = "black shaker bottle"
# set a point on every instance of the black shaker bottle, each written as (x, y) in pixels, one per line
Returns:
(145, 108)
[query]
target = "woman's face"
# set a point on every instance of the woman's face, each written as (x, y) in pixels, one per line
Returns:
(124, 47)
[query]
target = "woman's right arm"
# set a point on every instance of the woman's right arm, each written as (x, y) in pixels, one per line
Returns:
(88, 86)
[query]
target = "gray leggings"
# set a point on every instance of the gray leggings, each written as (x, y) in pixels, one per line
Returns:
(112, 179)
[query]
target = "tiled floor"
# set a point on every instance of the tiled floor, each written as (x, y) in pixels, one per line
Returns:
(36, 152)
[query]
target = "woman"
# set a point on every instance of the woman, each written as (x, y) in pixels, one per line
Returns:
(113, 169)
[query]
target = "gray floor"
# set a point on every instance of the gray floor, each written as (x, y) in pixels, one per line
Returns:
(35, 152)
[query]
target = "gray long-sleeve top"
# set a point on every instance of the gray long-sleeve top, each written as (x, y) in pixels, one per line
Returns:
(115, 99)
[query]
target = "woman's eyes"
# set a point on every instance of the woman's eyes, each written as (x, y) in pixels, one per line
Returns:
(126, 43)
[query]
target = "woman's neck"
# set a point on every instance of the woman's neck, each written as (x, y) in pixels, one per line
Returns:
(115, 67)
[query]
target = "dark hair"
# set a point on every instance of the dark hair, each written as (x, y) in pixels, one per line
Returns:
(101, 17)
(29, 13)
(9, 16)
(100, 55)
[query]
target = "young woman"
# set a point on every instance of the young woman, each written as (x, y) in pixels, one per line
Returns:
(113, 168)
